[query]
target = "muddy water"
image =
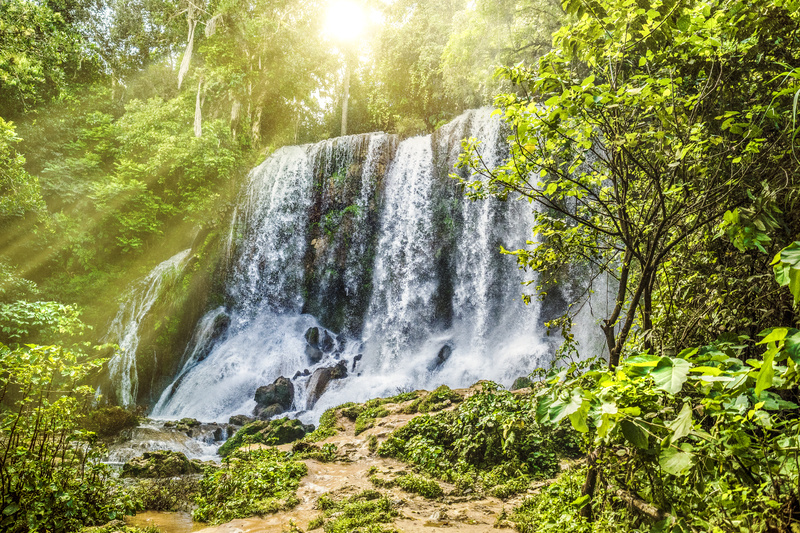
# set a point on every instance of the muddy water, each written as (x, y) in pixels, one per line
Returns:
(166, 522)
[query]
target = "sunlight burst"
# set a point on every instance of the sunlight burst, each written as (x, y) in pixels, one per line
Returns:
(346, 20)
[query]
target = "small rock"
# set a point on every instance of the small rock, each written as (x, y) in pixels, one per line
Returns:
(356, 359)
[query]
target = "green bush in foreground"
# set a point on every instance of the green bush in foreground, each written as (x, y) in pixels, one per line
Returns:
(50, 480)
(557, 509)
(254, 483)
(270, 432)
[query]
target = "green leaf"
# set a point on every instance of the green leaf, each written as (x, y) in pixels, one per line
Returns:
(683, 23)
(682, 425)
(675, 461)
(765, 375)
(670, 374)
(11, 509)
(775, 335)
(579, 417)
(561, 409)
(634, 434)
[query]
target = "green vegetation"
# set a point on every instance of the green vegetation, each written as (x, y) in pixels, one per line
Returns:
(436, 400)
(326, 427)
(49, 477)
(491, 439)
(165, 494)
(557, 509)
(659, 141)
(366, 511)
(416, 484)
(256, 482)
(271, 432)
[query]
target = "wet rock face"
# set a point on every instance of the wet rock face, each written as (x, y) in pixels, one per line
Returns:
(162, 463)
(274, 399)
(444, 354)
(319, 342)
(320, 380)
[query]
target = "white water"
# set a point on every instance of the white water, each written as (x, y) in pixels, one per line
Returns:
(491, 333)
(124, 330)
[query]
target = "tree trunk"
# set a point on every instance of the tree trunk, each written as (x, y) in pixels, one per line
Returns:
(590, 484)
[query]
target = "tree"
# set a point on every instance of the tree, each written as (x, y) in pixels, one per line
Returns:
(645, 124)
(40, 53)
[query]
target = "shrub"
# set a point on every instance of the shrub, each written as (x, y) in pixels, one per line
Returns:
(271, 432)
(50, 481)
(491, 437)
(427, 488)
(254, 483)
(364, 512)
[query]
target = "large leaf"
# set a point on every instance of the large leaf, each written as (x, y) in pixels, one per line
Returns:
(579, 417)
(767, 372)
(670, 374)
(682, 425)
(562, 408)
(634, 434)
(675, 461)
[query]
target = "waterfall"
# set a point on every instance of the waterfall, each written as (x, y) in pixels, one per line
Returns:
(124, 329)
(367, 239)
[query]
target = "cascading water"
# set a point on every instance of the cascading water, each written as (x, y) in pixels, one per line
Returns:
(363, 250)
(124, 330)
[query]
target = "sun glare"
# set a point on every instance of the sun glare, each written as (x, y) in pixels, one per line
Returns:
(346, 20)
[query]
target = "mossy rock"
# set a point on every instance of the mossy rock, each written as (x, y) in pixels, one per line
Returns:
(162, 463)
(522, 382)
(272, 432)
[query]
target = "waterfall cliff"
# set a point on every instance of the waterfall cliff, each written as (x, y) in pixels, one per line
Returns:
(361, 253)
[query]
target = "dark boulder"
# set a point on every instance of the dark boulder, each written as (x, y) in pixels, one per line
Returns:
(314, 354)
(240, 420)
(265, 413)
(444, 354)
(356, 359)
(280, 392)
(318, 342)
(321, 378)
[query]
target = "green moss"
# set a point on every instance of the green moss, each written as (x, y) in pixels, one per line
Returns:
(437, 400)
(324, 454)
(427, 488)
(326, 428)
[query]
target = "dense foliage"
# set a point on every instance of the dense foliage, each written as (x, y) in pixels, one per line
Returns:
(256, 482)
(49, 477)
(491, 439)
